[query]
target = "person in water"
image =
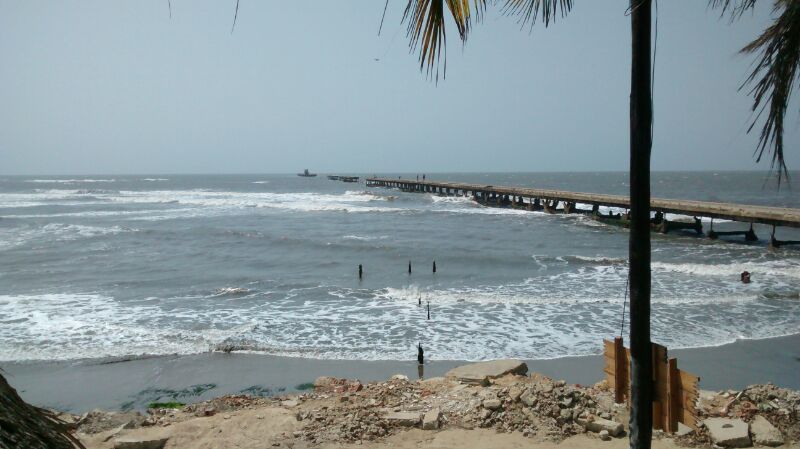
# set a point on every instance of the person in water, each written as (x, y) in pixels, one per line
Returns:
(745, 277)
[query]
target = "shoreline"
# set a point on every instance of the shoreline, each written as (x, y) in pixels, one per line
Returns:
(114, 384)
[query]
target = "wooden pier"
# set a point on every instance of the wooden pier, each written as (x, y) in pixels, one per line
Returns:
(559, 201)
(343, 178)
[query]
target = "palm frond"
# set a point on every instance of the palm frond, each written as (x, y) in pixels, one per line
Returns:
(530, 10)
(774, 74)
(735, 7)
(427, 31)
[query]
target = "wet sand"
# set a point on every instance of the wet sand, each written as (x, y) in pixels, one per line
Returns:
(79, 386)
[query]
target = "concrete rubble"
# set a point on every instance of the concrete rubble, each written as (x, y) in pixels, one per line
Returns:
(764, 433)
(481, 373)
(727, 432)
(343, 411)
(431, 419)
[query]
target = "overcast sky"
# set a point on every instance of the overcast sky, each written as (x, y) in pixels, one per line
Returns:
(118, 87)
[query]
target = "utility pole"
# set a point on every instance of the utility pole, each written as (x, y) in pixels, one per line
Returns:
(641, 141)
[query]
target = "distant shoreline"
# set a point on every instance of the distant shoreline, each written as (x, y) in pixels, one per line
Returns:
(79, 386)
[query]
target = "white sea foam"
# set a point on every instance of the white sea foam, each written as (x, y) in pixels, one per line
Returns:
(365, 238)
(68, 181)
(777, 268)
(10, 238)
(155, 179)
(354, 323)
(71, 326)
(452, 199)
(232, 291)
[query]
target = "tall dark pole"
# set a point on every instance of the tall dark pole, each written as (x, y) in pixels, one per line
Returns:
(641, 421)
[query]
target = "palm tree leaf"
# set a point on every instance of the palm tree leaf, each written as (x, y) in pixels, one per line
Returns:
(530, 10)
(427, 31)
(774, 73)
(735, 7)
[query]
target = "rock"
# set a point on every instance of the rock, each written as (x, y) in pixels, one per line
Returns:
(431, 419)
(405, 419)
(528, 398)
(764, 433)
(492, 404)
(289, 404)
(728, 432)
(683, 430)
(597, 425)
(433, 380)
(514, 393)
(325, 382)
(400, 377)
(480, 373)
(209, 411)
(604, 435)
(98, 421)
(71, 421)
(130, 442)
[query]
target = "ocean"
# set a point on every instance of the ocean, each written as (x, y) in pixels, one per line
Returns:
(115, 266)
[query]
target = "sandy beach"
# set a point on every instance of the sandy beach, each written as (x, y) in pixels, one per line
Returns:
(81, 386)
(488, 404)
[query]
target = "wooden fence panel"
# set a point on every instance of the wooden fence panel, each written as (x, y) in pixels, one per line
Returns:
(675, 392)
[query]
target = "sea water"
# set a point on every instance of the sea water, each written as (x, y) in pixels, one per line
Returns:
(101, 266)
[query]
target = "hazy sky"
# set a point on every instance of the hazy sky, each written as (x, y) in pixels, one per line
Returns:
(118, 87)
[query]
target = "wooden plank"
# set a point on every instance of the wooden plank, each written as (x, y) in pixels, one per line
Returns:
(688, 419)
(608, 348)
(621, 381)
(688, 379)
(660, 390)
(687, 384)
(657, 413)
(674, 393)
(609, 363)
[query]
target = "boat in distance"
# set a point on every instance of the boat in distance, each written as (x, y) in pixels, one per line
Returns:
(306, 174)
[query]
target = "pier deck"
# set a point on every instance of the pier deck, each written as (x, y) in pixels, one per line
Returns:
(775, 216)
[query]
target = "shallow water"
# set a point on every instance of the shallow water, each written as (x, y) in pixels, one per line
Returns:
(102, 266)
